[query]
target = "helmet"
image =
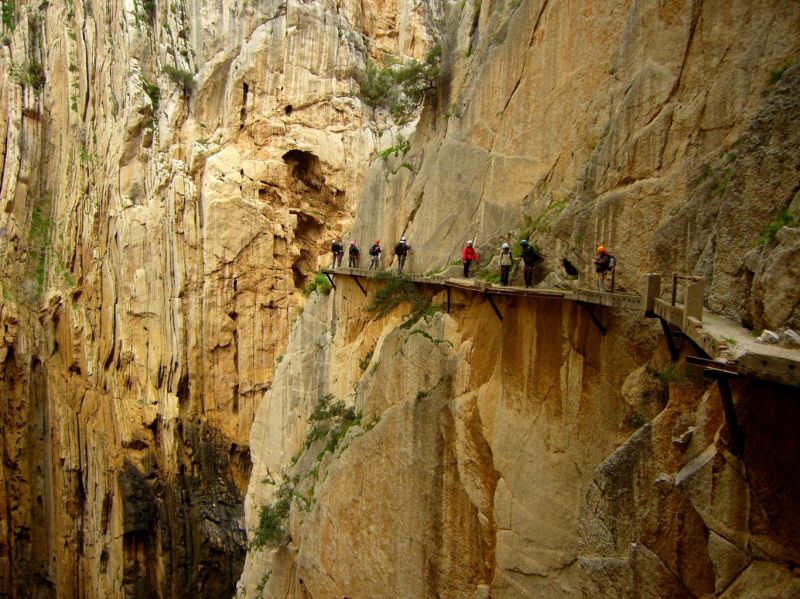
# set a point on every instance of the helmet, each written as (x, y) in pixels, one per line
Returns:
(469, 242)
(505, 246)
(377, 241)
(403, 239)
(524, 242)
(352, 242)
(602, 250)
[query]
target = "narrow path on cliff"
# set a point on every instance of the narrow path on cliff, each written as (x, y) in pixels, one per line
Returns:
(728, 347)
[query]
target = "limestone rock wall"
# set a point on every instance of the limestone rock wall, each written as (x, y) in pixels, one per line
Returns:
(665, 131)
(538, 457)
(530, 458)
(171, 172)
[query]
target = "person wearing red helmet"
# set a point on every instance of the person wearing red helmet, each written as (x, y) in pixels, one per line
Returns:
(352, 255)
(375, 253)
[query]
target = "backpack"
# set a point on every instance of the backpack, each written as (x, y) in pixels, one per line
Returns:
(375, 250)
(401, 249)
(354, 251)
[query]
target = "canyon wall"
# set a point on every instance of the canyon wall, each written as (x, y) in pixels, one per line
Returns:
(538, 457)
(171, 173)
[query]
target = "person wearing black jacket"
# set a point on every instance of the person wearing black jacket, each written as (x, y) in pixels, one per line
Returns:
(530, 257)
(401, 251)
(375, 255)
(338, 251)
(352, 255)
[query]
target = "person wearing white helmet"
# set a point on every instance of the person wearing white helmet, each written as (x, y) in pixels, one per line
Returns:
(468, 256)
(401, 251)
(506, 261)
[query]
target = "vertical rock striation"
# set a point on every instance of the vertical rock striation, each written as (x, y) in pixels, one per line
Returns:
(171, 172)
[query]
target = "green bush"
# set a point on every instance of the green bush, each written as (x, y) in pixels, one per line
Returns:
(183, 78)
(29, 74)
(8, 9)
(272, 518)
(401, 147)
(320, 284)
(153, 92)
(400, 89)
(397, 290)
(784, 219)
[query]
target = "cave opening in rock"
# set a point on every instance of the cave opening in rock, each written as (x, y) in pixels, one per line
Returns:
(304, 167)
(308, 235)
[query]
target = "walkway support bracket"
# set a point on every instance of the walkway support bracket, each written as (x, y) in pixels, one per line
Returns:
(330, 279)
(603, 330)
(674, 353)
(448, 300)
(494, 306)
(360, 286)
(722, 373)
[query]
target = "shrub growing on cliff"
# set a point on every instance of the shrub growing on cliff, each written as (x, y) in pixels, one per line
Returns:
(398, 290)
(320, 284)
(272, 518)
(29, 74)
(784, 219)
(400, 89)
(184, 79)
(8, 8)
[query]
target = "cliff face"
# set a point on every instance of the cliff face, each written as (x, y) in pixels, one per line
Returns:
(537, 457)
(171, 171)
(533, 457)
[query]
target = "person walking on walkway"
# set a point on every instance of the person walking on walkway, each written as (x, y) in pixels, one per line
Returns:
(353, 253)
(531, 258)
(506, 261)
(468, 256)
(603, 264)
(338, 251)
(401, 251)
(375, 255)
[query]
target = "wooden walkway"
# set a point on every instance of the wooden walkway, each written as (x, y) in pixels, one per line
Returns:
(729, 348)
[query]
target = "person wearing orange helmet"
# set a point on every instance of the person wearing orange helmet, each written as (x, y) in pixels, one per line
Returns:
(603, 263)
(375, 253)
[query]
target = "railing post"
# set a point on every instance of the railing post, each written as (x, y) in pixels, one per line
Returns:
(693, 304)
(652, 292)
(674, 288)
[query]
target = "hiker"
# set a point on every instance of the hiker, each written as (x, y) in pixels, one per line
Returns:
(468, 256)
(352, 255)
(531, 258)
(338, 251)
(401, 251)
(375, 252)
(603, 264)
(506, 261)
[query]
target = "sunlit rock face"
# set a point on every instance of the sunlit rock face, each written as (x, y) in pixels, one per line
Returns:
(171, 173)
(538, 457)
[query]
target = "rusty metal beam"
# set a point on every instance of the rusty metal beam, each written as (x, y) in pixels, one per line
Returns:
(674, 353)
(494, 306)
(330, 278)
(595, 319)
(360, 286)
